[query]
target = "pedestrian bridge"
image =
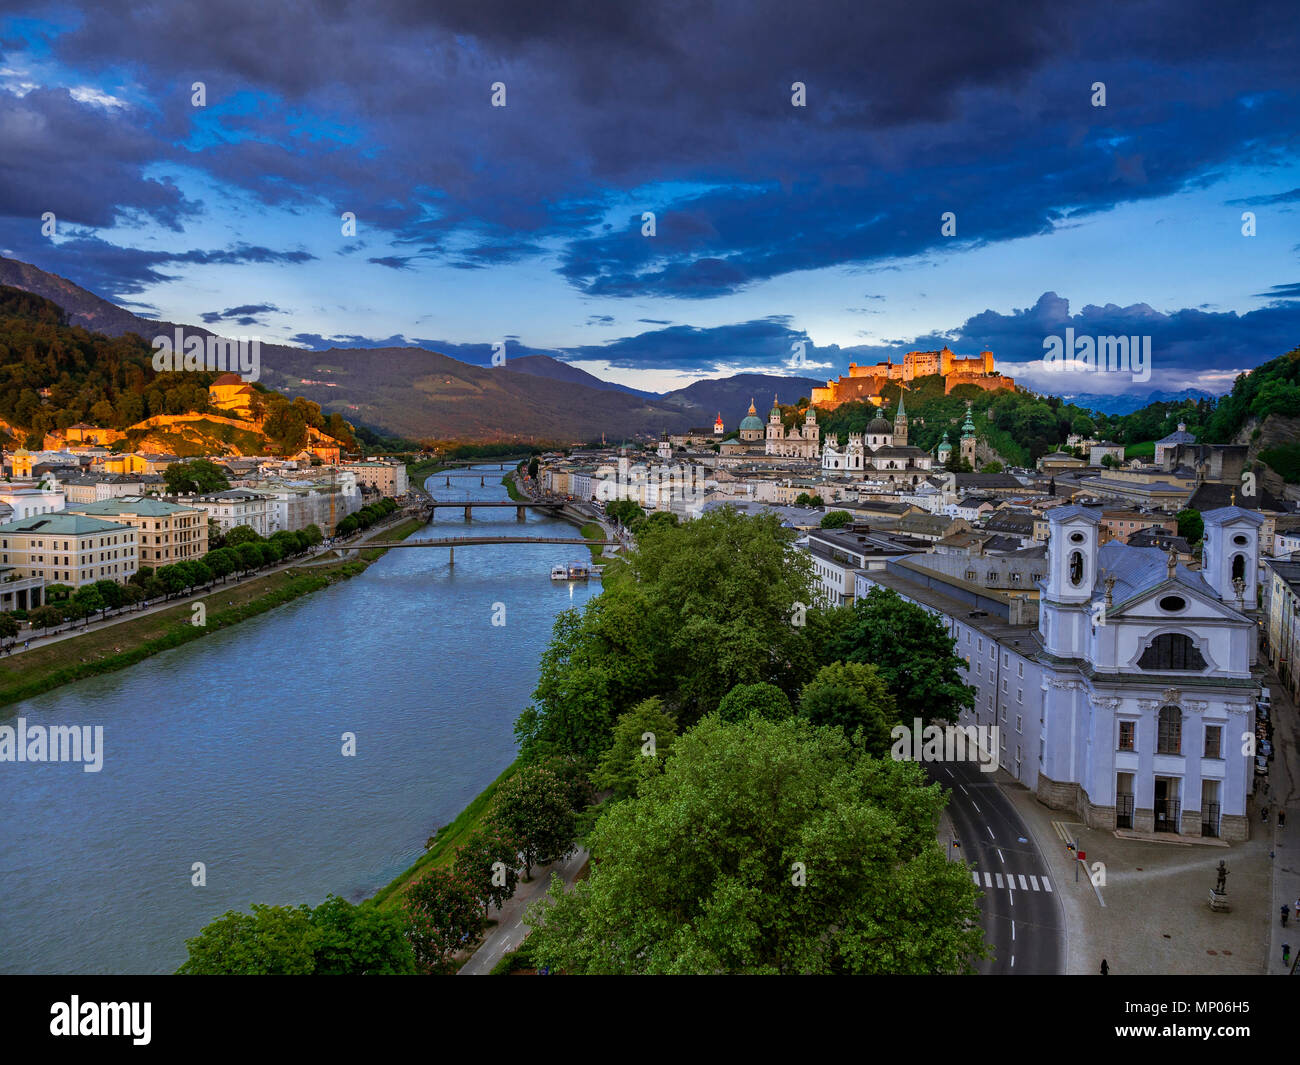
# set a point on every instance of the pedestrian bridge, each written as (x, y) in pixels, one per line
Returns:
(453, 542)
(469, 505)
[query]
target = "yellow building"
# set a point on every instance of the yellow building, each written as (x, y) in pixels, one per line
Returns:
(67, 548)
(168, 532)
(229, 393)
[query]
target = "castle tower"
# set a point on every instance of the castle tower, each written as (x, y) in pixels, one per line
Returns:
(900, 424)
(968, 438)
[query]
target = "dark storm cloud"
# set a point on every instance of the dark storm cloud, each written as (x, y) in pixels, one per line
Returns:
(113, 271)
(80, 161)
(246, 314)
(915, 108)
(1281, 292)
(393, 262)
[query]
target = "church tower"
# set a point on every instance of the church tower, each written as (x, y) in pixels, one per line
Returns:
(775, 430)
(945, 449)
(968, 438)
(900, 424)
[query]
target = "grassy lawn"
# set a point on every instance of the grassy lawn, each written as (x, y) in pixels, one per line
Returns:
(593, 531)
(515, 494)
(1144, 450)
(445, 842)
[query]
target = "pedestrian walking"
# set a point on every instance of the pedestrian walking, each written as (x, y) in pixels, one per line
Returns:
(1105, 969)
(1286, 912)
(1286, 953)
(1263, 815)
(1281, 819)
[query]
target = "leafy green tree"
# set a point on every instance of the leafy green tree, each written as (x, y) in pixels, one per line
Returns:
(489, 860)
(852, 696)
(443, 917)
(57, 593)
(45, 617)
(198, 476)
(908, 645)
(8, 626)
(272, 941)
(89, 600)
(991, 467)
(836, 519)
(633, 752)
(761, 700)
(534, 809)
(767, 847)
(242, 534)
(250, 557)
(359, 940)
(314, 535)
(1191, 527)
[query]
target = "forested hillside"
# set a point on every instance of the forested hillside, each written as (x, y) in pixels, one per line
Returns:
(53, 375)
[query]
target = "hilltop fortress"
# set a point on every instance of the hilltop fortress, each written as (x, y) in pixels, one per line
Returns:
(865, 382)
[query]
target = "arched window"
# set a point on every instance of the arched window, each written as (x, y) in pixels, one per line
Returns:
(1171, 650)
(1238, 567)
(1169, 731)
(1076, 568)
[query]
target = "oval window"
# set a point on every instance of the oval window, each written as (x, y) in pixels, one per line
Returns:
(1240, 540)
(1171, 604)
(1076, 568)
(1076, 538)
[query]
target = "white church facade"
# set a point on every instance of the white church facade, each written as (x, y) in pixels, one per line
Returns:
(1131, 701)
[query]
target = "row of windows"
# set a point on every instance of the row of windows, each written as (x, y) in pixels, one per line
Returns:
(1169, 735)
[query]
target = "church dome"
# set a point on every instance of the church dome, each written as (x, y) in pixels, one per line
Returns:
(751, 420)
(879, 427)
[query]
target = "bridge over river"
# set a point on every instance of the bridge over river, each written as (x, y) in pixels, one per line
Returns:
(469, 505)
(453, 542)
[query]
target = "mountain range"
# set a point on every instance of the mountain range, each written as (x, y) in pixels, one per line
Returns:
(423, 395)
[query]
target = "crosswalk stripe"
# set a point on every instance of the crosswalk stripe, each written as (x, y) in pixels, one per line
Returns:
(988, 880)
(1011, 881)
(1034, 880)
(1023, 885)
(1047, 885)
(976, 877)
(998, 878)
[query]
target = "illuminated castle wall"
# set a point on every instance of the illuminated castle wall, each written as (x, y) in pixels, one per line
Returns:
(863, 383)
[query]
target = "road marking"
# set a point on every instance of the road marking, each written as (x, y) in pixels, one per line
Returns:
(998, 878)
(1013, 931)
(988, 880)
(976, 877)
(963, 789)
(977, 806)
(1000, 858)
(1013, 961)
(1023, 885)
(1034, 880)
(1011, 882)
(990, 832)
(1047, 885)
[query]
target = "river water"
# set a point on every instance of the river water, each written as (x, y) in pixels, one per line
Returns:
(227, 750)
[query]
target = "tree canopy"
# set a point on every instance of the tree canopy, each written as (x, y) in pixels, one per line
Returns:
(766, 847)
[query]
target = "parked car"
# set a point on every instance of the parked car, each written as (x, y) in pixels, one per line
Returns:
(1261, 765)
(1266, 749)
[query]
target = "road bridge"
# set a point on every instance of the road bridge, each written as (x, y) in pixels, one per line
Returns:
(468, 506)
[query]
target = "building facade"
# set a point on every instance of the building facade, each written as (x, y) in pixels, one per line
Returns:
(67, 548)
(166, 532)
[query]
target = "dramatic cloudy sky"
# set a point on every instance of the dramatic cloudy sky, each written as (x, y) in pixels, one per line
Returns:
(774, 223)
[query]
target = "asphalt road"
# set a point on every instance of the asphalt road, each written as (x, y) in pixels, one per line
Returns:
(1021, 914)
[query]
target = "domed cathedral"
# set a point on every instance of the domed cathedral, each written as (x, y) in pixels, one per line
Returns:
(882, 453)
(800, 442)
(751, 429)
